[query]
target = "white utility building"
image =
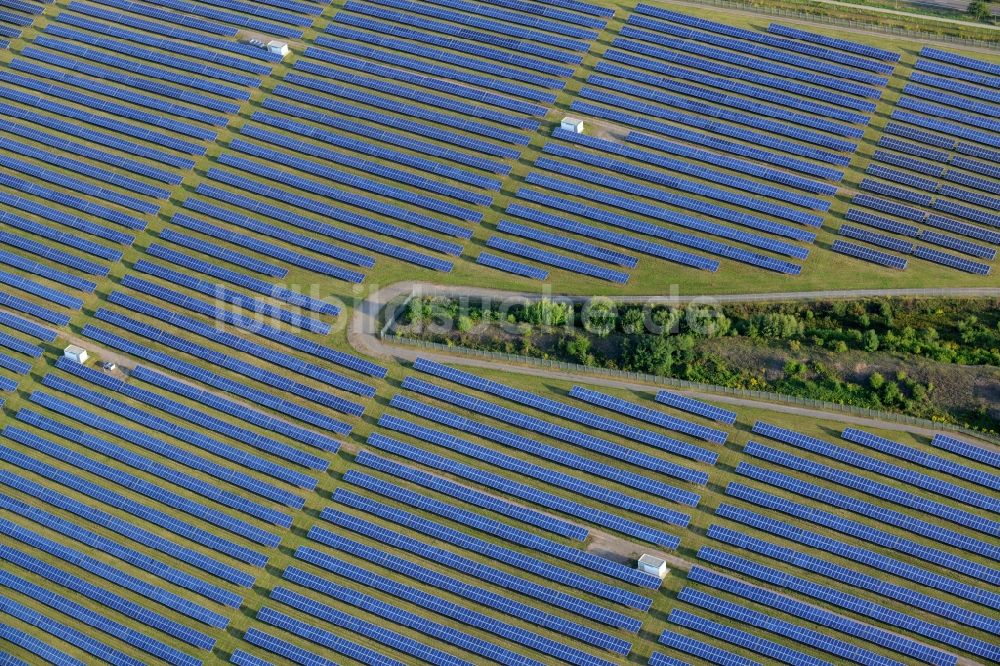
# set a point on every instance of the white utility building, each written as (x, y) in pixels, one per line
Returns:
(76, 354)
(574, 125)
(653, 565)
(281, 48)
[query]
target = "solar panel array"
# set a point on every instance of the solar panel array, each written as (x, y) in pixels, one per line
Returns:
(922, 161)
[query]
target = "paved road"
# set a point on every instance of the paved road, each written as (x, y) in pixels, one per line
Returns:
(363, 331)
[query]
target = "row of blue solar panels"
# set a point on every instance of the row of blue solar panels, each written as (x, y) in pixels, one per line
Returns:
(858, 554)
(867, 254)
(694, 406)
(475, 569)
(833, 42)
(966, 449)
(922, 602)
(554, 259)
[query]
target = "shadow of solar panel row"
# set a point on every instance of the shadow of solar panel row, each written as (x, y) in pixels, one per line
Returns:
(872, 238)
(516, 536)
(433, 54)
(27, 307)
(862, 531)
(78, 114)
(558, 574)
(632, 224)
(738, 637)
(254, 395)
(681, 166)
(578, 41)
(474, 568)
(705, 119)
(282, 213)
(758, 65)
(768, 39)
(526, 492)
(473, 40)
(116, 93)
(367, 203)
(561, 241)
(242, 280)
(745, 46)
(851, 602)
(468, 495)
(279, 358)
(377, 633)
(169, 45)
(74, 184)
(673, 76)
(699, 188)
(441, 77)
(479, 595)
(94, 619)
(952, 100)
(31, 287)
(242, 17)
(619, 240)
(876, 512)
(364, 183)
(122, 502)
(232, 297)
(511, 266)
(246, 414)
(157, 28)
(818, 616)
(219, 252)
(858, 554)
(410, 110)
(874, 488)
(851, 577)
(86, 168)
(60, 631)
(681, 219)
(805, 93)
(277, 252)
(194, 438)
(102, 570)
(102, 57)
(883, 468)
(579, 416)
(129, 531)
(167, 497)
(184, 94)
(701, 139)
(763, 110)
(555, 259)
(403, 176)
(867, 254)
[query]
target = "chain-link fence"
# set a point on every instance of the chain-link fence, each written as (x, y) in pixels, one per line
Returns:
(856, 25)
(761, 396)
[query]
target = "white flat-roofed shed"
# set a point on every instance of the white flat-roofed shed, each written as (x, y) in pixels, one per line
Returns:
(76, 354)
(574, 125)
(653, 565)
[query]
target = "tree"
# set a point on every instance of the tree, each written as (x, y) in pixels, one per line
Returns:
(876, 381)
(577, 347)
(652, 354)
(632, 320)
(869, 340)
(599, 316)
(979, 10)
(464, 324)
